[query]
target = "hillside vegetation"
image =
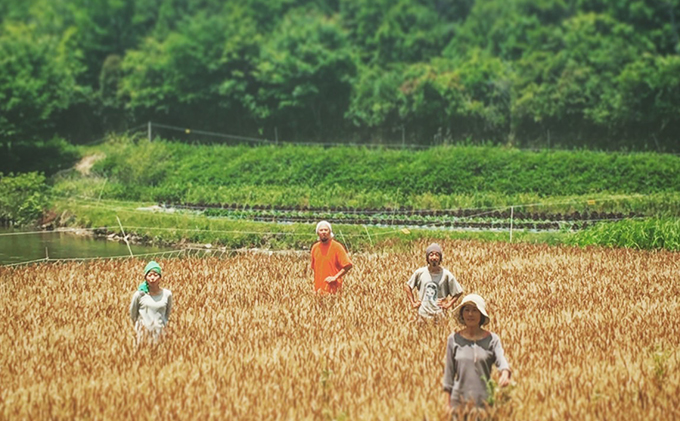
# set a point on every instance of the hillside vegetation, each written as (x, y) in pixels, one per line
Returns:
(541, 73)
(442, 177)
(236, 196)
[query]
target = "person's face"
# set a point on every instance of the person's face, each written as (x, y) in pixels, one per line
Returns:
(433, 259)
(471, 315)
(152, 278)
(324, 233)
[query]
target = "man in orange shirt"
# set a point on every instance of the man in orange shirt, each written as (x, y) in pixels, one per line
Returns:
(330, 261)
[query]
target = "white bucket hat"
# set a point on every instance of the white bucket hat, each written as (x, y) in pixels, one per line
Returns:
(326, 223)
(475, 300)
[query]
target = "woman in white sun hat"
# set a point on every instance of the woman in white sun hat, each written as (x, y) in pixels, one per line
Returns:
(470, 353)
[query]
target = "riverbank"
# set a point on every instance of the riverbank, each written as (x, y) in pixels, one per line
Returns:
(22, 246)
(158, 227)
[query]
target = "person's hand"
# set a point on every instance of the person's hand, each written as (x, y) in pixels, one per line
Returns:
(444, 303)
(330, 279)
(505, 378)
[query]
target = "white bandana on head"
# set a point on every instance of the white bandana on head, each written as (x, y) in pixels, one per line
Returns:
(326, 223)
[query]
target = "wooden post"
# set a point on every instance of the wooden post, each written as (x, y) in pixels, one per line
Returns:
(125, 237)
(512, 214)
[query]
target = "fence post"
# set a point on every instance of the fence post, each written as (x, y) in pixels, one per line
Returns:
(125, 236)
(149, 130)
(512, 214)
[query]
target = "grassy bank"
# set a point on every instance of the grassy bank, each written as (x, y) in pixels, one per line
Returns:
(439, 178)
(162, 228)
(482, 181)
(158, 227)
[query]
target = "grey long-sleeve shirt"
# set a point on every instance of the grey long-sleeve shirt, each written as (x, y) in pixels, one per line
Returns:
(468, 366)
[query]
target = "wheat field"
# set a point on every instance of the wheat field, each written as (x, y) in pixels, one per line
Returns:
(590, 334)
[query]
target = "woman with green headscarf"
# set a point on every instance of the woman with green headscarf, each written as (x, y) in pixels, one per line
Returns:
(151, 305)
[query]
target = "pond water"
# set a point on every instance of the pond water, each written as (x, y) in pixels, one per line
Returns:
(24, 246)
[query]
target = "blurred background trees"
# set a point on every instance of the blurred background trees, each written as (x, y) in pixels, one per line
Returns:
(531, 73)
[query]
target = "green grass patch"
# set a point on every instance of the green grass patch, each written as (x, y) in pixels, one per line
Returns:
(648, 234)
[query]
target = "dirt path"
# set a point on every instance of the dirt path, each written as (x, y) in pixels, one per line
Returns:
(87, 162)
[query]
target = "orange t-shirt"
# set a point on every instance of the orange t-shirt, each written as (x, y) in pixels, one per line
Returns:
(327, 260)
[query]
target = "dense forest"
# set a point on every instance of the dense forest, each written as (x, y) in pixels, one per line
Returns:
(600, 74)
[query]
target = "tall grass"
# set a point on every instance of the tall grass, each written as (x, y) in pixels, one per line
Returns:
(648, 234)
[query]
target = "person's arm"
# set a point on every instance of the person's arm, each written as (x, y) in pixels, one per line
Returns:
(447, 402)
(411, 298)
(413, 283)
(501, 363)
(449, 371)
(168, 308)
(450, 301)
(454, 293)
(340, 274)
(310, 269)
(134, 306)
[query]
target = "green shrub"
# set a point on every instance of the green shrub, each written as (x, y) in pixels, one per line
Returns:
(23, 198)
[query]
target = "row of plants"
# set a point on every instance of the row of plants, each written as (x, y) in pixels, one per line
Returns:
(160, 228)
(181, 228)
(344, 199)
(398, 216)
(176, 172)
(490, 221)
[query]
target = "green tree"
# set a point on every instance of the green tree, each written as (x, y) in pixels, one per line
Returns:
(565, 88)
(37, 79)
(649, 83)
(388, 31)
(657, 20)
(304, 76)
(197, 76)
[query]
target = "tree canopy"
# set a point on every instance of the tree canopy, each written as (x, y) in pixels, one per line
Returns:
(532, 73)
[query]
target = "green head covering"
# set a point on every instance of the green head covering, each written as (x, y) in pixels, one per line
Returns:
(151, 266)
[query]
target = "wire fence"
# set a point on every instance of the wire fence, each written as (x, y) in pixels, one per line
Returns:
(151, 132)
(405, 229)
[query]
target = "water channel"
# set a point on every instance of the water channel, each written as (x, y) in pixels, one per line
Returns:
(23, 246)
